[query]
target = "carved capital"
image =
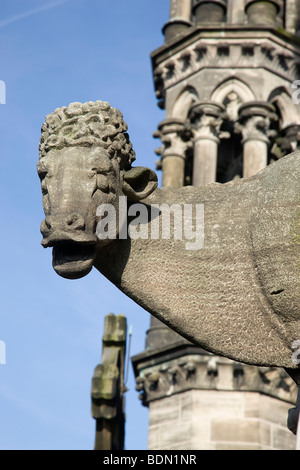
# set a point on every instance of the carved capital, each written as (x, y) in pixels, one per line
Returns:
(288, 142)
(255, 119)
(174, 136)
(206, 120)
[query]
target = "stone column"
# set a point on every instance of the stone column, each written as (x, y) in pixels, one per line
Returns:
(236, 11)
(180, 15)
(180, 9)
(172, 152)
(254, 124)
(262, 12)
(206, 120)
(210, 11)
(292, 17)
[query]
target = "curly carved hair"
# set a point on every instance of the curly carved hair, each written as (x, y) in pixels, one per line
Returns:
(88, 124)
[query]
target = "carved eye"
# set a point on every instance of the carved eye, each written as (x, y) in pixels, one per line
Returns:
(42, 171)
(102, 183)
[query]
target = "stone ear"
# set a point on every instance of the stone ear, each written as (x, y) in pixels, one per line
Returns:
(138, 183)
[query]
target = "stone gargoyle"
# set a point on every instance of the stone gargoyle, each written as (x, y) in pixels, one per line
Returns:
(235, 291)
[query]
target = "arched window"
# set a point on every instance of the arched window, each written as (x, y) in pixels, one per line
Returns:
(184, 101)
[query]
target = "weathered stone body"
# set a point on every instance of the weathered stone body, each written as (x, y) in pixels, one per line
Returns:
(237, 296)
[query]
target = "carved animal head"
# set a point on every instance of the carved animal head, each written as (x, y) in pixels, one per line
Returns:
(85, 161)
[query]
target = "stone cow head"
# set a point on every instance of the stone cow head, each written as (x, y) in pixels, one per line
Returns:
(85, 159)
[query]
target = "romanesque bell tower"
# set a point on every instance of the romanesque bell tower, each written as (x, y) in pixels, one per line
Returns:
(224, 77)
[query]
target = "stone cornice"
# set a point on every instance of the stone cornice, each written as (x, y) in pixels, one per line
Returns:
(237, 53)
(158, 378)
(255, 119)
(195, 33)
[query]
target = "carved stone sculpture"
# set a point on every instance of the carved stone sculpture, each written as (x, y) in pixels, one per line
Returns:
(236, 295)
(108, 386)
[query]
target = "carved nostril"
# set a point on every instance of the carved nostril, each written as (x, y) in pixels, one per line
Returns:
(48, 223)
(75, 222)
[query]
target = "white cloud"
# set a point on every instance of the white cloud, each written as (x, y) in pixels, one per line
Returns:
(34, 11)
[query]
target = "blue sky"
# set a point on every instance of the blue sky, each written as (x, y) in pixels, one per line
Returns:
(54, 53)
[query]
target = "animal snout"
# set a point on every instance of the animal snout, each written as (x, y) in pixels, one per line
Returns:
(66, 228)
(69, 223)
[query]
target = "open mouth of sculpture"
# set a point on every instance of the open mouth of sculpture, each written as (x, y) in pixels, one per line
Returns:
(73, 260)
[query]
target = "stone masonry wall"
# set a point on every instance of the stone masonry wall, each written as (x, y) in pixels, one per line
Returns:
(219, 420)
